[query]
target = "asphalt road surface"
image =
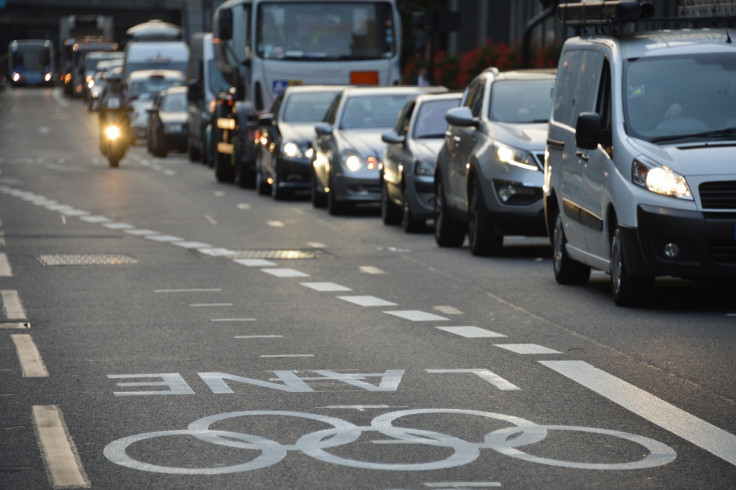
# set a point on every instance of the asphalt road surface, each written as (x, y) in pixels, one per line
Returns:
(161, 330)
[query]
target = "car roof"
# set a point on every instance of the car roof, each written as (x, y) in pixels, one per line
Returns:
(528, 74)
(455, 94)
(393, 89)
(138, 74)
(315, 88)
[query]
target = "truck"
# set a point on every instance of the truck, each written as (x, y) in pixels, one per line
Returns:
(78, 35)
(262, 46)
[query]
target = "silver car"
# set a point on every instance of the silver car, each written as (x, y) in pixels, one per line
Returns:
(348, 147)
(489, 172)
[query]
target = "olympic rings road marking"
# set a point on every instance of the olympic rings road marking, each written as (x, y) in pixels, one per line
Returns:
(342, 432)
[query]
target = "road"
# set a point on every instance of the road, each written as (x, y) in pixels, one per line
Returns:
(161, 330)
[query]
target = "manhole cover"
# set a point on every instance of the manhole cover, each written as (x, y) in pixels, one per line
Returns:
(86, 259)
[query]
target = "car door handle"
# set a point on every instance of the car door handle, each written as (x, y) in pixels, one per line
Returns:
(582, 155)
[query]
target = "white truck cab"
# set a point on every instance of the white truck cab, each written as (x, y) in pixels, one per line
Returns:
(640, 174)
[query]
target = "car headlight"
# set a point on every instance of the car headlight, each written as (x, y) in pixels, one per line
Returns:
(291, 150)
(351, 160)
(515, 156)
(660, 179)
(424, 167)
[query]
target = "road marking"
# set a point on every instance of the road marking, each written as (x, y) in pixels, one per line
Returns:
(199, 305)
(11, 305)
(448, 310)
(286, 355)
(15, 325)
(2, 239)
(325, 286)
(255, 262)
(56, 95)
(244, 205)
(233, 320)
(462, 484)
(58, 449)
(194, 290)
(366, 301)
(192, 245)
(285, 273)
(138, 232)
(694, 430)
(259, 337)
(316, 244)
(369, 269)
(528, 349)
(164, 238)
(118, 226)
(5, 266)
(416, 315)
(471, 332)
(275, 223)
(95, 219)
(219, 193)
(209, 218)
(31, 363)
(483, 374)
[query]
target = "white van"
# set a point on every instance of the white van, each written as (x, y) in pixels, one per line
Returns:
(640, 174)
(155, 45)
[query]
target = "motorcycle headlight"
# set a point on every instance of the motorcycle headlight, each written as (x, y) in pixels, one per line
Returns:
(112, 132)
(424, 167)
(291, 150)
(659, 179)
(514, 156)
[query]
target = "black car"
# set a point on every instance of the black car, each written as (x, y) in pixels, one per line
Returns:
(167, 122)
(286, 133)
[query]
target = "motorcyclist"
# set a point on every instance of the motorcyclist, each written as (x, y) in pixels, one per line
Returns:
(113, 107)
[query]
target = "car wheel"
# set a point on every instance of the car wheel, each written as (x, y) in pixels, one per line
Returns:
(193, 152)
(481, 235)
(334, 206)
(626, 290)
(448, 232)
(224, 172)
(567, 270)
(410, 224)
(158, 147)
(277, 192)
(319, 200)
(390, 213)
(261, 183)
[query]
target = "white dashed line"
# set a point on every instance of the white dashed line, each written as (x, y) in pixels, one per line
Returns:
(366, 301)
(58, 450)
(198, 245)
(164, 238)
(118, 226)
(416, 315)
(11, 305)
(285, 272)
(95, 219)
(528, 349)
(255, 262)
(31, 363)
(369, 269)
(325, 286)
(138, 232)
(5, 270)
(471, 332)
(275, 224)
(448, 310)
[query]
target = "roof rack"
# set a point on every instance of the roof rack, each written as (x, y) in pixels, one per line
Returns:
(587, 13)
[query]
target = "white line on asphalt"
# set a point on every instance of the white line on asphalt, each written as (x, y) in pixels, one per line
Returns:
(285, 273)
(57, 447)
(164, 238)
(11, 305)
(210, 219)
(139, 232)
(325, 286)
(416, 315)
(275, 223)
(5, 266)
(366, 301)
(244, 205)
(699, 432)
(254, 262)
(2, 239)
(448, 310)
(95, 219)
(369, 269)
(194, 290)
(316, 244)
(118, 226)
(463, 484)
(259, 337)
(199, 305)
(31, 363)
(528, 349)
(471, 332)
(198, 245)
(286, 355)
(232, 319)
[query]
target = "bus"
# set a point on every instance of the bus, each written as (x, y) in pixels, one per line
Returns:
(31, 62)
(263, 46)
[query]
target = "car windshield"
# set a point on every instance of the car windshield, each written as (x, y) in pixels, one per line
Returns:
(148, 88)
(373, 111)
(521, 101)
(430, 120)
(176, 102)
(325, 30)
(307, 107)
(681, 98)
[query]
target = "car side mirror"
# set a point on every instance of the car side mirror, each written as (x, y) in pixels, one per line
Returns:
(194, 90)
(225, 24)
(589, 132)
(461, 116)
(323, 129)
(392, 138)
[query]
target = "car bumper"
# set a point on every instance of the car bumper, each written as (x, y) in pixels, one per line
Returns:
(175, 141)
(705, 242)
(294, 173)
(358, 188)
(421, 198)
(516, 208)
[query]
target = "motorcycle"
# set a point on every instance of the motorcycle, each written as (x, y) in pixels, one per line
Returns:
(114, 137)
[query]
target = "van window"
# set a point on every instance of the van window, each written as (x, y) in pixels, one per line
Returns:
(577, 86)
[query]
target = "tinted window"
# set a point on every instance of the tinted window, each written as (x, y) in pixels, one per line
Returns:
(307, 107)
(517, 101)
(431, 121)
(373, 111)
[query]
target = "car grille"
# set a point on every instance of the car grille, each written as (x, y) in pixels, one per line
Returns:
(723, 251)
(718, 195)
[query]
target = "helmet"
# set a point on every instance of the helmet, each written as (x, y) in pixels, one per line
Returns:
(114, 77)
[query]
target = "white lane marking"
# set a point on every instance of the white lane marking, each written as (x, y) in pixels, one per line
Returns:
(285, 272)
(209, 218)
(462, 484)
(218, 252)
(192, 290)
(11, 305)
(31, 363)
(416, 315)
(255, 262)
(75, 212)
(275, 223)
(56, 95)
(233, 320)
(201, 305)
(259, 337)
(219, 193)
(286, 355)
(483, 374)
(447, 310)
(57, 447)
(325, 286)
(5, 270)
(316, 244)
(369, 269)
(694, 430)
(169, 172)
(471, 332)
(366, 301)
(2, 239)
(139, 232)
(95, 219)
(15, 325)
(164, 238)
(244, 205)
(198, 245)
(528, 349)
(118, 226)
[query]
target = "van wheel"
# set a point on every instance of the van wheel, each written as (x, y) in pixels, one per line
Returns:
(567, 270)
(448, 232)
(481, 236)
(390, 213)
(626, 290)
